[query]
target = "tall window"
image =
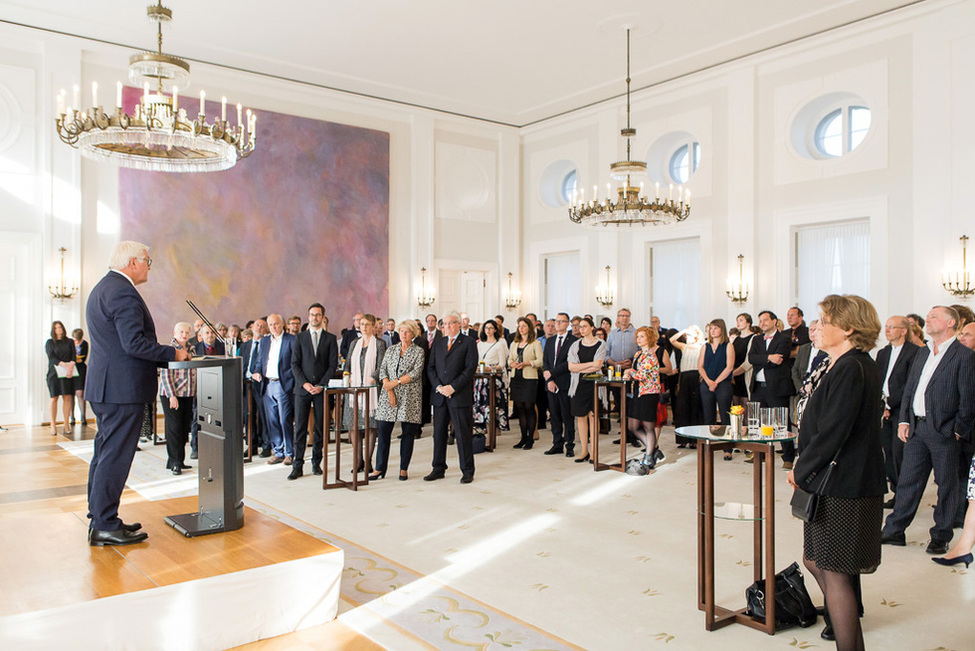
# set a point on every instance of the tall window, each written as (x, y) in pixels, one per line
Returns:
(831, 259)
(562, 284)
(675, 282)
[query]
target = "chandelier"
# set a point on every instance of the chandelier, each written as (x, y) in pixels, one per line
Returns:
(738, 291)
(512, 297)
(62, 291)
(424, 297)
(158, 136)
(604, 293)
(958, 283)
(630, 208)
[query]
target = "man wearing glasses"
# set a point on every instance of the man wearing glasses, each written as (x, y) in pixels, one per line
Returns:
(893, 363)
(122, 379)
(557, 377)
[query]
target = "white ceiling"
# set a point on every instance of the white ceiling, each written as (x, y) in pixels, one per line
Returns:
(510, 61)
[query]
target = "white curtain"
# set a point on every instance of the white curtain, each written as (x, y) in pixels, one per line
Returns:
(833, 259)
(676, 287)
(562, 284)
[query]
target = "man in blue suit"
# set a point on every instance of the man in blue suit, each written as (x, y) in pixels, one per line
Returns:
(937, 411)
(452, 363)
(274, 373)
(121, 380)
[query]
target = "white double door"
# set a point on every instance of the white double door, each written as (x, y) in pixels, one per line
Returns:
(464, 291)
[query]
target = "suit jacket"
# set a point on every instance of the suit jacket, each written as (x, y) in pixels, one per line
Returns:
(778, 377)
(124, 351)
(898, 376)
(843, 415)
(218, 347)
(532, 354)
(309, 366)
(426, 344)
(285, 375)
(349, 337)
(799, 368)
(949, 399)
(470, 332)
(391, 338)
(455, 367)
(558, 366)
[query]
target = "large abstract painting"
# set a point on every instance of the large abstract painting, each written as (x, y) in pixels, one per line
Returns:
(304, 219)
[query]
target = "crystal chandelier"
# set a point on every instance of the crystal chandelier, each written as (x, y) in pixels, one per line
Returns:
(630, 208)
(424, 297)
(512, 297)
(158, 136)
(63, 291)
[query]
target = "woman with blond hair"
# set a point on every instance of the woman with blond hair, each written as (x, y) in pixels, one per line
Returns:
(841, 460)
(401, 374)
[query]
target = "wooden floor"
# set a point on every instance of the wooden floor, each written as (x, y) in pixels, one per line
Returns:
(45, 560)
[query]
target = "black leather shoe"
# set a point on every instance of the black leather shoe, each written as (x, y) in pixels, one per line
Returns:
(177, 470)
(194, 455)
(433, 476)
(120, 537)
(570, 452)
(295, 473)
(937, 547)
(265, 453)
(897, 540)
(185, 467)
(132, 526)
(555, 449)
(466, 479)
(316, 469)
(827, 633)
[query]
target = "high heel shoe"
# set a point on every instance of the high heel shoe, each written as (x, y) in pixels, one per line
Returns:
(403, 476)
(967, 559)
(583, 459)
(520, 444)
(529, 444)
(377, 475)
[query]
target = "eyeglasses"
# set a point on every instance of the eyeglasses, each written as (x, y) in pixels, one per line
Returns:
(148, 262)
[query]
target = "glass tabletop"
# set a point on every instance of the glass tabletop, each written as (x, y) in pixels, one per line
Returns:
(736, 511)
(720, 433)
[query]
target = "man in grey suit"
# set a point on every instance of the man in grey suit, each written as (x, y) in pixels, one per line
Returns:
(808, 357)
(937, 410)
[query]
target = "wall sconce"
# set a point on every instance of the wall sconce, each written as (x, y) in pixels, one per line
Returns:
(738, 291)
(61, 291)
(604, 294)
(512, 297)
(425, 297)
(958, 283)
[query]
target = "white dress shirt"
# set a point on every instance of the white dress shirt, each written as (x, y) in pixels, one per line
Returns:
(272, 357)
(894, 352)
(930, 366)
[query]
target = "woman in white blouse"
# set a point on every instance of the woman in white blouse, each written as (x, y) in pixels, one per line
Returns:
(492, 351)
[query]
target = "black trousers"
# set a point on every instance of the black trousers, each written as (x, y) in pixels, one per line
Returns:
(178, 422)
(965, 450)
(893, 450)
(762, 396)
(720, 399)
(541, 403)
(462, 419)
(560, 416)
(261, 438)
(119, 426)
(303, 405)
(384, 433)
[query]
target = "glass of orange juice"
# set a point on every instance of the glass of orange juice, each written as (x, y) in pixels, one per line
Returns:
(768, 423)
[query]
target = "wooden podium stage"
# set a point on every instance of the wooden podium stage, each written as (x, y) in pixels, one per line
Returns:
(170, 592)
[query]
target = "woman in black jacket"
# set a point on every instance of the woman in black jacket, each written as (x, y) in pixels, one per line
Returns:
(842, 421)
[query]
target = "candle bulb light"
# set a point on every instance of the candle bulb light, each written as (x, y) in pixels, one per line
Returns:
(118, 95)
(61, 102)
(175, 100)
(203, 102)
(223, 109)
(76, 104)
(94, 94)
(239, 111)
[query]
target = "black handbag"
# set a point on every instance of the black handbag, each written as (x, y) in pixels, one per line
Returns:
(793, 607)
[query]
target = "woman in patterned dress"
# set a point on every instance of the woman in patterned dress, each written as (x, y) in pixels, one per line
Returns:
(641, 409)
(492, 349)
(401, 374)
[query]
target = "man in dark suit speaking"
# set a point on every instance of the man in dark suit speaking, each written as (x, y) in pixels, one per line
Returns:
(121, 380)
(452, 362)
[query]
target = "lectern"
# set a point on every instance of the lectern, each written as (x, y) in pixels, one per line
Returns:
(220, 448)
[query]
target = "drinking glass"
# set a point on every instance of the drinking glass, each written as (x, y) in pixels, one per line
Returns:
(753, 418)
(768, 422)
(781, 421)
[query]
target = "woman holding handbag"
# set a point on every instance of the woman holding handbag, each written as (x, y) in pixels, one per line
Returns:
(841, 463)
(401, 374)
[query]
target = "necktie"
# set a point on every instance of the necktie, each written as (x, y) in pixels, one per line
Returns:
(558, 347)
(450, 343)
(314, 341)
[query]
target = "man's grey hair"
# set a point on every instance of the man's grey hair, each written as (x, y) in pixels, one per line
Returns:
(454, 314)
(125, 251)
